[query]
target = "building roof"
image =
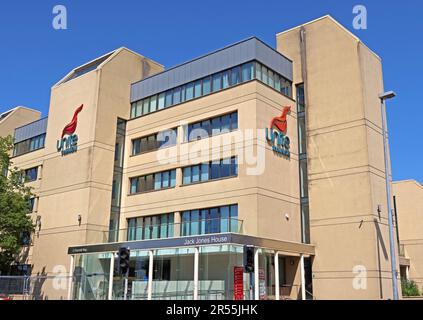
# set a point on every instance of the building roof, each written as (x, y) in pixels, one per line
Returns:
(225, 58)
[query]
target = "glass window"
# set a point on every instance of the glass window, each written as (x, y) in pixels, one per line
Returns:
(183, 94)
(149, 182)
(277, 82)
(133, 110)
(215, 172)
(168, 98)
(206, 85)
(225, 79)
(224, 219)
(165, 179)
(197, 89)
(195, 217)
(217, 82)
(153, 103)
(134, 185)
(177, 95)
(206, 125)
(264, 76)
(258, 71)
(195, 173)
(186, 175)
(157, 181)
(247, 71)
(234, 166)
(303, 178)
(235, 76)
(225, 167)
(234, 120)
(31, 174)
(161, 103)
(302, 139)
(189, 92)
(145, 106)
(139, 108)
(173, 178)
(225, 123)
(216, 126)
(205, 171)
(271, 80)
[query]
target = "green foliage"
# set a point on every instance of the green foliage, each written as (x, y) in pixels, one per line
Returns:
(14, 208)
(409, 288)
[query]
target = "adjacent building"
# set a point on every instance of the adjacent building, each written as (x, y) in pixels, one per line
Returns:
(247, 173)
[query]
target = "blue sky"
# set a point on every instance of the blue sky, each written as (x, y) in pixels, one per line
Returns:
(33, 56)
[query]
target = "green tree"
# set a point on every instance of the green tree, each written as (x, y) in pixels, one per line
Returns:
(409, 288)
(14, 207)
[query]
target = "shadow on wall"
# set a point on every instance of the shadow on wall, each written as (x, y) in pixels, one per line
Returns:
(380, 244)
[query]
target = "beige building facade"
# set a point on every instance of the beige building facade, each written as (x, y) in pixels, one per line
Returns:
(247, 173)
(408, 202)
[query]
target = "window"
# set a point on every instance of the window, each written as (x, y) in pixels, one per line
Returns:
(29, 145)
(189, 91)
(235, 76)
(197, 89)
(153, 103)
(213, 170)
(157, 181)
(213, 83)
(247, 71)
(31, 204)
(168, 98)
(206, 86)
(151, 227)
(210, 220)
(300, 98)
(302, 139)
(145, 106)
(161, 103)
(213, 126)
(177, 95)
(225, 80)
(155, 141)
(303, 178)
(31, 174)
(217, 82)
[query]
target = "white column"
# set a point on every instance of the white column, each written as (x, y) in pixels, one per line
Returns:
(256, 275)
(407, 272)
(150, 275)
(70, 284)
(303, 291)
(196, 256)
(277, 288)
(111, 274)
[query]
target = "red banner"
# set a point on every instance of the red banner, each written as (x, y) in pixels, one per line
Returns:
(238, 283)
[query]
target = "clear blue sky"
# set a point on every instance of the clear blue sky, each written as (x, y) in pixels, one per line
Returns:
(33, 56)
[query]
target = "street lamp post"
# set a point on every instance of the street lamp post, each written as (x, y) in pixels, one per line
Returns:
(383, 97)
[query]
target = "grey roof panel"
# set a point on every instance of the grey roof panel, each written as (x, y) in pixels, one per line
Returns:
(228, 57)
(31, 130)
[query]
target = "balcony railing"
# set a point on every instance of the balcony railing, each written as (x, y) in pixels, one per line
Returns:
(174, 230)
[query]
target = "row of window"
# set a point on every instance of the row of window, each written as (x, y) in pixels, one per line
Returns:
(194, 222)
(29, 145)
(198, 130)
(154, 141)
(213, 126)
(151, 227)
(156, 181)
(211, 220)
(210, 171)
(211, 84)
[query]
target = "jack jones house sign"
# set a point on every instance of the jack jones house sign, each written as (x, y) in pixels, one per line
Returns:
(69, 141)
(276, 134)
